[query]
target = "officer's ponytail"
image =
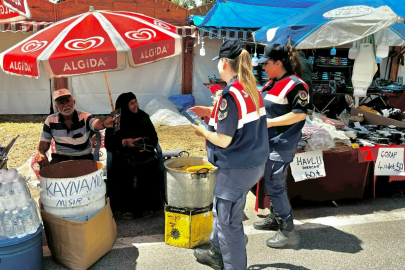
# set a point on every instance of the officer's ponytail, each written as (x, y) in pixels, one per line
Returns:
(293, 64)
(243, 67)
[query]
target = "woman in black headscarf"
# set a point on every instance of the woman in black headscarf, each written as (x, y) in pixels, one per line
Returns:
(134, 180)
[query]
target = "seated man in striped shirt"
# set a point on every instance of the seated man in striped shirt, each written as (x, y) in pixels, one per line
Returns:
(70, 129)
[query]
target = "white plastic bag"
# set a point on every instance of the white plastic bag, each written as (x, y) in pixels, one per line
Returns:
(320, 140)
(337, 135)
(165, 117)
(161, 102)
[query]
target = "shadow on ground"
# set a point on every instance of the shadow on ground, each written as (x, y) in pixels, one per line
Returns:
(277, 266)
(389, 197)
(323, 237)
(140, 226)
(117, 259)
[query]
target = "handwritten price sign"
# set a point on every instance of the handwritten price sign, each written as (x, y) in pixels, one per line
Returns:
(390, 161)
(308, 165)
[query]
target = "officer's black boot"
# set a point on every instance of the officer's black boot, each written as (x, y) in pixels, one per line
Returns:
(269, 223)
(286, 236)
(211, 257)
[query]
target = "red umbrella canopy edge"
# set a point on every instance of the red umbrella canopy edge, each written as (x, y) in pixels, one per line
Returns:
(95, 41)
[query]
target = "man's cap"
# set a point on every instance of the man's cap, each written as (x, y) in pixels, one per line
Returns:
(231, 49)
(274, 52)
(61, 93)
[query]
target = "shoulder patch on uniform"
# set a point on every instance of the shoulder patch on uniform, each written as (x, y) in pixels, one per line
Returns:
(303, 103)
(222, 115)
(223, 104)
(303, 95)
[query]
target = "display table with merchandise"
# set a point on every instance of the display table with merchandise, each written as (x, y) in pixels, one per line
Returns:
(347, 175)
(396, 100)
(345, 178)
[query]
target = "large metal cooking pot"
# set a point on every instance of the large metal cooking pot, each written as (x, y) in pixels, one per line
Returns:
(186, 189)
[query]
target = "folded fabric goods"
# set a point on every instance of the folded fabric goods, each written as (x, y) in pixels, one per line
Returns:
(307, 131)
(338, 136)
(320, 140)
(338, 124)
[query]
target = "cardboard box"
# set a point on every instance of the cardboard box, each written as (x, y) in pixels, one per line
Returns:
(78, 245)
(187, 228)
(374, 119)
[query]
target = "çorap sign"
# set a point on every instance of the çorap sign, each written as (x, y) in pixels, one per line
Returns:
(308, 165)
(390, 161)
(20, 6)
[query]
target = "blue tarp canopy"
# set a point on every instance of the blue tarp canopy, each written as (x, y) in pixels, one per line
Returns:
(250, 14)
(332, 22)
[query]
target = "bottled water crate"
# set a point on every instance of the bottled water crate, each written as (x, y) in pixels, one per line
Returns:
(20, 225)
(22, 253)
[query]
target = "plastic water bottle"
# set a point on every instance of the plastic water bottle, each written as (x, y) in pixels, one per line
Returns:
(18, 224)
(8, 224)
(9, 175)
(8, 195)
(3, 232)
(25, 185)
(29, 221)
(32, 206)
(20, 197)
(2, 202)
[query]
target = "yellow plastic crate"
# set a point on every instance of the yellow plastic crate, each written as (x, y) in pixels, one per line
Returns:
(187, 228)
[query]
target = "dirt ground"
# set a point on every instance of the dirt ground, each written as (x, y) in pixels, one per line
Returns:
(29, 128)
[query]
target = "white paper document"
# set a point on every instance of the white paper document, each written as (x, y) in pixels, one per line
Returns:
(390, 161)
(308, 165)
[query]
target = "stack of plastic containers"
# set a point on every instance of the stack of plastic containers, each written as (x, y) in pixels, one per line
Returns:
(20, 223)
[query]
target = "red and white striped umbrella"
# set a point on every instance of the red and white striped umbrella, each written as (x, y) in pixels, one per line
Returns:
(95, 41)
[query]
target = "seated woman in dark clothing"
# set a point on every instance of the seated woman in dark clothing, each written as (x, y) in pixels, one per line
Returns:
(134, 180)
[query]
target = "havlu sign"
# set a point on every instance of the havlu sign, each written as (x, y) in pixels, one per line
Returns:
(20, 6)
(308, 165)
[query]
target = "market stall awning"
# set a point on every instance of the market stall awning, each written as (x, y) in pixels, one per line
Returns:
(185, 31)
(332, 23)
(227, 33)
(250, 13)
(23, 26)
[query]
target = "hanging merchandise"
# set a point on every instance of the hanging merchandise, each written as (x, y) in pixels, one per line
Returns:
(202, 50)
(353, 51)
(333, 51)
(254, 58)
(383, 49)
(364, 69)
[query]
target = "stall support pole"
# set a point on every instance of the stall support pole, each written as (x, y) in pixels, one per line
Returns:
(109, 92)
